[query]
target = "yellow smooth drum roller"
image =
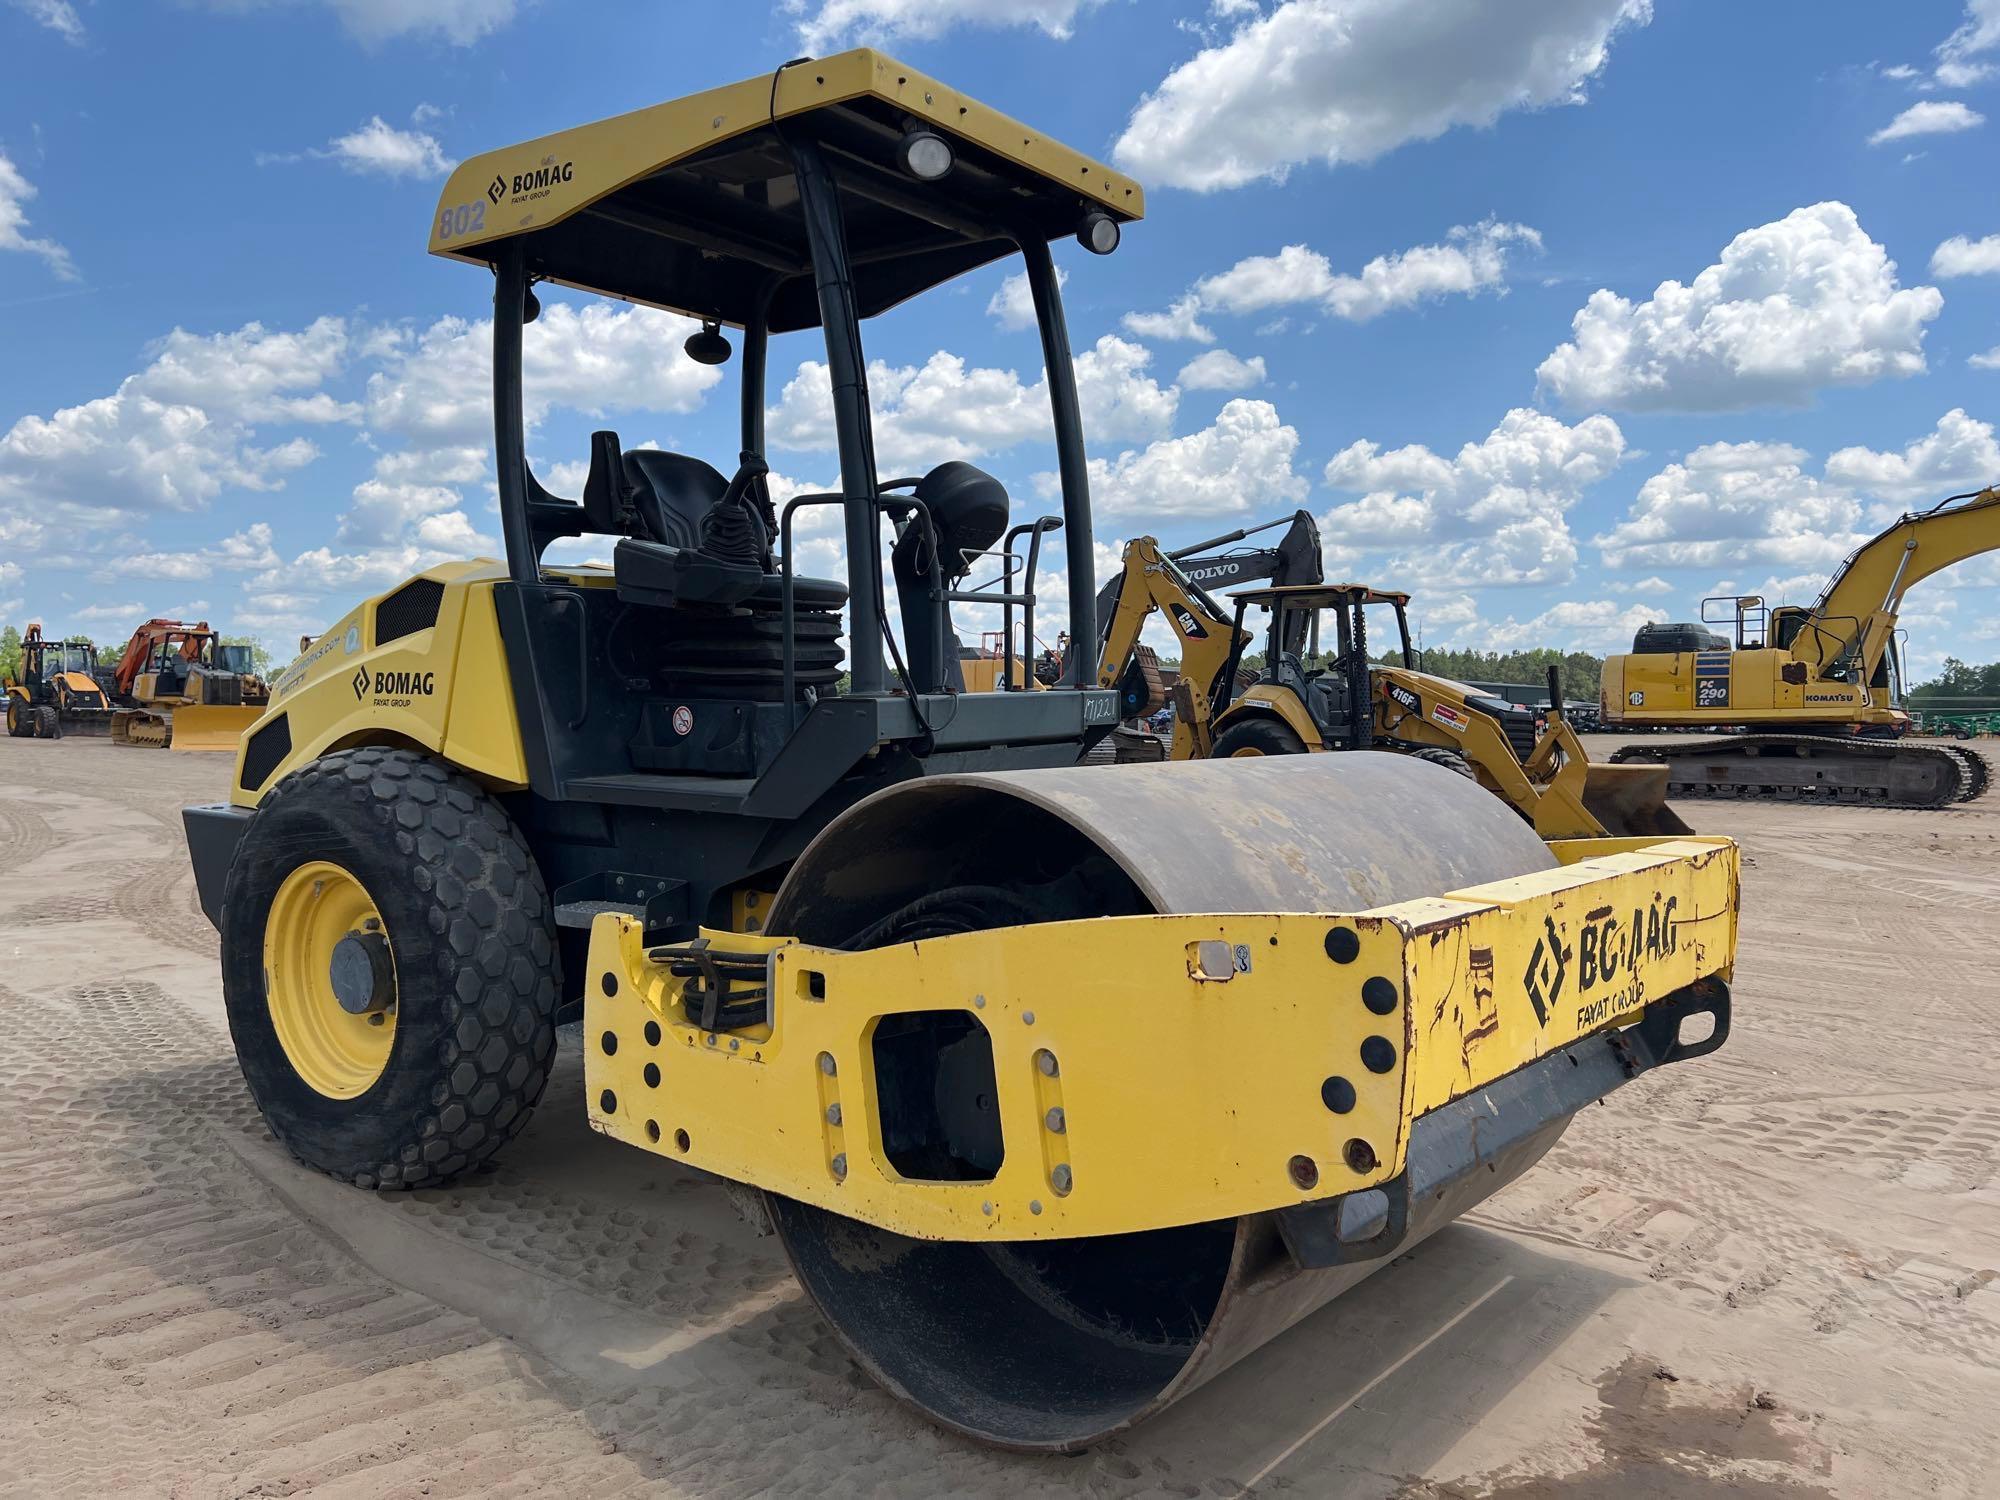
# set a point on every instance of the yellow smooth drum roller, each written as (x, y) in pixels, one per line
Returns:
(1054, 1345)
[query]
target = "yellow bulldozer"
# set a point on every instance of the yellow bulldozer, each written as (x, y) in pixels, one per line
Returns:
(179, 686)
(1319, 690)
(1063, 1088)
(1812, 689)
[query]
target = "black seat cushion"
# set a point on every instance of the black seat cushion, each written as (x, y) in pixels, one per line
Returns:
(685, 487)
(649, 573)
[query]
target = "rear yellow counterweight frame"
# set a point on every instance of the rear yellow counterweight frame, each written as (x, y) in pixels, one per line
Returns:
(1155, 1070)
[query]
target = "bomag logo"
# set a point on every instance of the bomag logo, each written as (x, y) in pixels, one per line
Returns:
(538, 183)
(387, 685)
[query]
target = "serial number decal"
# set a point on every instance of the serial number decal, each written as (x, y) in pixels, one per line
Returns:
(1407, 698)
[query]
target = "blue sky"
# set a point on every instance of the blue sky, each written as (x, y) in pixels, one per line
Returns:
(1560, 313)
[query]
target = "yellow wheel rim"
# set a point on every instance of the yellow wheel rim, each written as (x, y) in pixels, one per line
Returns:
(1246, 750)
(337, 1053)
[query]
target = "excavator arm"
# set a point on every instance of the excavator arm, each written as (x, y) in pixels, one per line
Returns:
(1847, 633)
(191, 640)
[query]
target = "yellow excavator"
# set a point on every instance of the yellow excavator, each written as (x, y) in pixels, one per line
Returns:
(1812, 689)
(1063, 1088)
(1319, 690)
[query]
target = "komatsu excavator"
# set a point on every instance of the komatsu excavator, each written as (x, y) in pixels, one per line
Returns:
(1063, 1088)
(1812, 689)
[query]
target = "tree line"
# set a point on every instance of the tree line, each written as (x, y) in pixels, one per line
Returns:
(1957, 683)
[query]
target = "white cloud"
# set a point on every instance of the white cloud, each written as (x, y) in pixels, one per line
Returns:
(241, 551)
(437, 386)
(1990, 360)
(1493, 514)
(15, 193)
(1181, 321)
(1348, 80)
(1805, 302)
(1734, 504)
(946, 409)
(460, 22)
(1960, 453)
(1242, 459)
(253, 374)
(1599, 625)
(1473, 258)
(1219, 370)
(180, 431)
(838, 23)
(1959, 256)
(58, 15)
(379, 147)
(1013, 306)
(1653, 584)
(1979, 33)
(1929, 117)
(1729, 503)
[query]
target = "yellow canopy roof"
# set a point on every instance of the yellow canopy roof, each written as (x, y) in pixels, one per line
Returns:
(690, 205)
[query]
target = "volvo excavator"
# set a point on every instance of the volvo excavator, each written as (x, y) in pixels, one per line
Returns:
(179, 686)
(1319, 690)
(1812, 688)
(1063, 1088)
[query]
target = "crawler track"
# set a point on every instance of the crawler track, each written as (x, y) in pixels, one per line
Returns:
(1817, 768)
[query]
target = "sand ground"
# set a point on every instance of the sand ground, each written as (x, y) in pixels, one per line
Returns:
(1773, 1273)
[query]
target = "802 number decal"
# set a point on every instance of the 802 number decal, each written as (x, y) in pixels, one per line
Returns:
(467, 218)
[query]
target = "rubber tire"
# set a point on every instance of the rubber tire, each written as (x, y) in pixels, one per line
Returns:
(1451, 760)
(48, 725)
(477, 972)
(1265, 736)
(20, 721)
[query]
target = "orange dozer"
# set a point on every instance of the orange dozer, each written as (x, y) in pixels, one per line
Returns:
(179, 686)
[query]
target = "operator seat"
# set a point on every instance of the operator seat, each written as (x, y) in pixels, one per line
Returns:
(656, 510)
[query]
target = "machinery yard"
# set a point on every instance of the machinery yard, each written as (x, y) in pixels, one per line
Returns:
(1776, 1273)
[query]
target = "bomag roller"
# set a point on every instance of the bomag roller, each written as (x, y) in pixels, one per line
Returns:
(1063, 1087)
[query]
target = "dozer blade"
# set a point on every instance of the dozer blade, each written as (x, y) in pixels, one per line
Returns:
(1631, 801)
(203, 726)
(1066, 1090)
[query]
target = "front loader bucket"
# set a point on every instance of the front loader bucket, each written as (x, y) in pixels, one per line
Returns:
(203, 726)
(1053, 1345)
(1631, 801)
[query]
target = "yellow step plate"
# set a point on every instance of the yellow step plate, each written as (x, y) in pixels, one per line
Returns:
(1153, 1071)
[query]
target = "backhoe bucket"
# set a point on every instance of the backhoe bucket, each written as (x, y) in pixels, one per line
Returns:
(203, 726)
(1631, 801)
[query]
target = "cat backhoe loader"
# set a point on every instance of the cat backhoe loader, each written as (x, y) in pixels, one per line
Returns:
(1309, 700)
(180, 686)
(1063, 1088)
(57, 693)
(1811, 688)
